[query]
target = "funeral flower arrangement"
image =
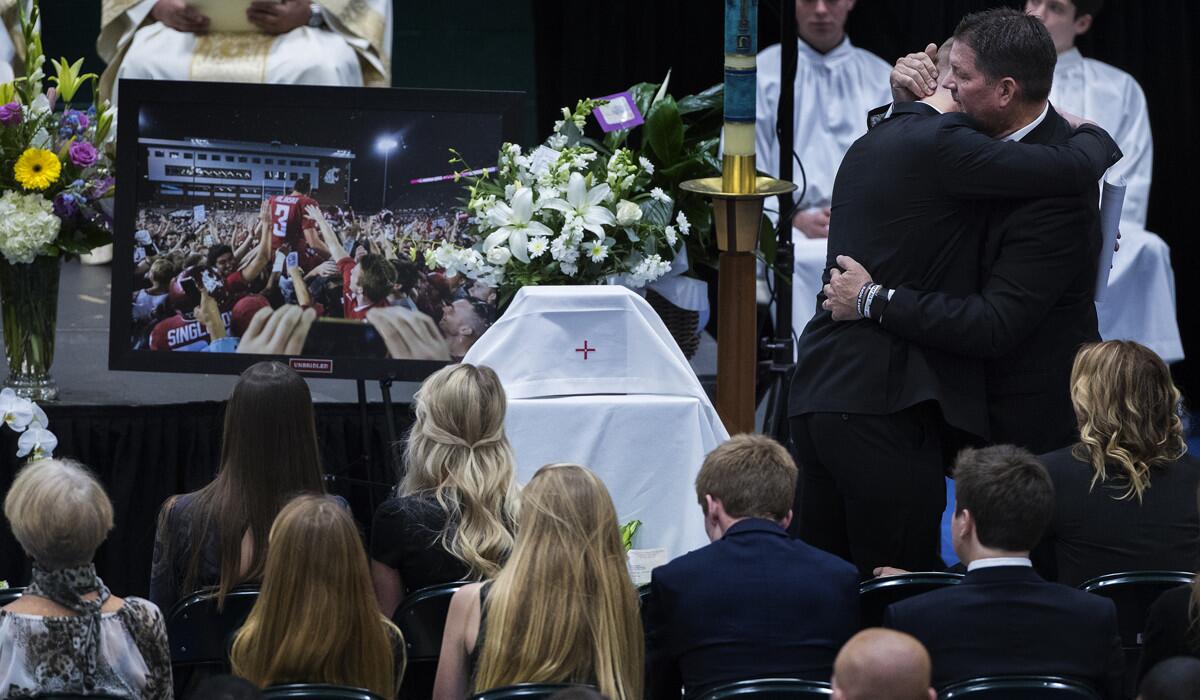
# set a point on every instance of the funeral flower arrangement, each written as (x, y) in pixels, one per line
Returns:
(576, 210)
(27, 418)
(54, 172)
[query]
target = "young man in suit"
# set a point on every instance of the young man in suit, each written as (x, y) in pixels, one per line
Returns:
(874, 414)
(882, 664)
(754, 603)
(1038, 261)
(1004, 619)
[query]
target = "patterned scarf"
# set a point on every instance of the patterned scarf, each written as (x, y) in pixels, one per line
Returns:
(67, 588)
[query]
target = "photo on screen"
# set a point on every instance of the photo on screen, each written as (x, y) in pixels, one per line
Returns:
(293, 221)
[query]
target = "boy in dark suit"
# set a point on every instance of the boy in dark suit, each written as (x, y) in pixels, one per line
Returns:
(1004, 619)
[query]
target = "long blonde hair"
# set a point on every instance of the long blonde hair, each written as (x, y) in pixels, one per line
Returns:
(458, 453)
(1128, 411)
(563, 609)
(316, 619)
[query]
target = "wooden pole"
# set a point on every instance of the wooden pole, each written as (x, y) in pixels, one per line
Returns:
(737, 345)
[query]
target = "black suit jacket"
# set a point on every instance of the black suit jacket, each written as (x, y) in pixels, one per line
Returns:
(753, 604)
(1007, 620)
(1169, 630)
(1093, 532)
(1034, 311)
(902, 206)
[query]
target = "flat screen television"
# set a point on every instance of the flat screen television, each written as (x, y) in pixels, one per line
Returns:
(244, 212)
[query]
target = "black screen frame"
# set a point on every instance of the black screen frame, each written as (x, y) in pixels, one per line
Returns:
(136, 93)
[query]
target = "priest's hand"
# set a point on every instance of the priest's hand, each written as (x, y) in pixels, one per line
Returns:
(408, 334)
(280, 331)
(915, 76)
(180, 16)
(279, 16)
(813, 223)
(841, 294)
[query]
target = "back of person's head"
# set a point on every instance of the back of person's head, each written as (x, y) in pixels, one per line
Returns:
(268, 455)
(303, 185)
(225, 687)
(162, 270)
(316, 619)
(1008, 493)
(458, 453)
(1010, 43)
(882, 664)
(751, 475)
(1176, 678)
(58, 512)
(376, 276)
(563, 609)
(1128, 410)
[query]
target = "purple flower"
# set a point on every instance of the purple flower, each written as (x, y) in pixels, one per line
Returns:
(101, 187)
(10, 114)
(83, 154)
(66, 205)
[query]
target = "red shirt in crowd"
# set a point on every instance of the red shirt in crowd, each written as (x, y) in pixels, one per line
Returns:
(289, 219)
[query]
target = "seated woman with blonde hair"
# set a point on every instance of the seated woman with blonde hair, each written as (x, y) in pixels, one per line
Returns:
(1126, 492)
(562, 610)
(316, 619)
(456, 512)
(67, 634)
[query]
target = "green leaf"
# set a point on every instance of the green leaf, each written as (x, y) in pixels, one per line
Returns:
(767, 242)
(664, 130)
(712, 98)
(628, 530)
(642, 94)
(655, 212)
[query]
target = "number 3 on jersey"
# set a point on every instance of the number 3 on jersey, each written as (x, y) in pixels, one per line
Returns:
(279, 220)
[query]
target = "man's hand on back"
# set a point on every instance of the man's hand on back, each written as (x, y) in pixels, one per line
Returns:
(841, 294)
(1074, 120)
(915, 76)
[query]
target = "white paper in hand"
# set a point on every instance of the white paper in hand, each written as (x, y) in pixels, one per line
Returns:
(1112, 200)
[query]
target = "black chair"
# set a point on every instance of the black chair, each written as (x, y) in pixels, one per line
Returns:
(1019, 688)
(421, 618)
(200, 634)
(318, 691)
(8, 595)
(1133, 592)
(875, 595)
(771, 689)
(524, 691)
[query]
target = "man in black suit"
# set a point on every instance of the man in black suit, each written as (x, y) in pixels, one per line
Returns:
(1036, 307)
(755, 603)
(874, 416)
(1004, 619)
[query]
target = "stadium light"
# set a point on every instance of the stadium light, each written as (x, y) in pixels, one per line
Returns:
(385, 144)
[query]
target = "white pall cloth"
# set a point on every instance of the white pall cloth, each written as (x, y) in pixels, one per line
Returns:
(645, 424)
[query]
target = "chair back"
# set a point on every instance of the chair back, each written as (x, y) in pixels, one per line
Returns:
(8, 595)
(524, 691)
(1134, 592)
(317, 691)
(875, 595)
(1022, 687)
(200, 634)
(770, 689)
(421, 618)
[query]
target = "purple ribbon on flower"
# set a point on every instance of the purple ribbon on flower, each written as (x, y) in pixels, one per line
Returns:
(83, 154)
(10, 114)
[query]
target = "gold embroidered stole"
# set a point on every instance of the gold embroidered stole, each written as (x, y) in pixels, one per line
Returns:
(231, 57)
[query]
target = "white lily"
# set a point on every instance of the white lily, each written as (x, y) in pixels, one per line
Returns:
(585, 204)
(17, 411)
(515, 224)
(36, 441)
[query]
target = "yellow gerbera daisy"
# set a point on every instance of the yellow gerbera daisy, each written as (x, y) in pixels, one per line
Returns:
(37, 169)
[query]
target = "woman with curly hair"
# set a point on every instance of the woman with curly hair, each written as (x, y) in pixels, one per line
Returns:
(1126, 492)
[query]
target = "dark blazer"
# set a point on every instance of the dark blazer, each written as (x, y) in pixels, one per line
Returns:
(1034, 310)
(902, 206)
(1007, 620)
(1169, 630)
(1094, 533)
(753, 604)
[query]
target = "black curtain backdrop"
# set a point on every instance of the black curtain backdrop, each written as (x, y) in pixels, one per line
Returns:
(592, 49)
(143, 454)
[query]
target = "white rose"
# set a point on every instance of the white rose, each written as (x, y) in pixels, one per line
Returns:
(500, 255)
(628, 213)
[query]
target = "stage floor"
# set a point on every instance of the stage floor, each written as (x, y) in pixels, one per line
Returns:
(81, 357)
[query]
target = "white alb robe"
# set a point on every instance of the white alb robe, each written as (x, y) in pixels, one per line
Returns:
(352, 50)
(1140, 304)
(834, 92)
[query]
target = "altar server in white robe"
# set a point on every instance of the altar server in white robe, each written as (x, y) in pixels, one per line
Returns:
(1140, 304)
(836, 85)
(10, 39)
(331, 42)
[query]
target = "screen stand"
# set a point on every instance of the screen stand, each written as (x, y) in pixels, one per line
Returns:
(385, 389)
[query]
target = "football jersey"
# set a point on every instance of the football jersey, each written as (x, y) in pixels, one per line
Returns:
(177, 333)
(288, 219)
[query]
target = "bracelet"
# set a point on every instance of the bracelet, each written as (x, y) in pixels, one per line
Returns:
(870, 300)
(860, 304)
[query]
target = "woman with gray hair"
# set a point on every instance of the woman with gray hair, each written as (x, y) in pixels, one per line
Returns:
(67, 633)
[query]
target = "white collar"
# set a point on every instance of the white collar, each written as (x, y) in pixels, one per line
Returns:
(1024, 131)
(835, 55)
(998, 561)
(1070, 58)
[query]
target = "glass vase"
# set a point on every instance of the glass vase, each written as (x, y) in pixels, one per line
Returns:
(29, 310)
